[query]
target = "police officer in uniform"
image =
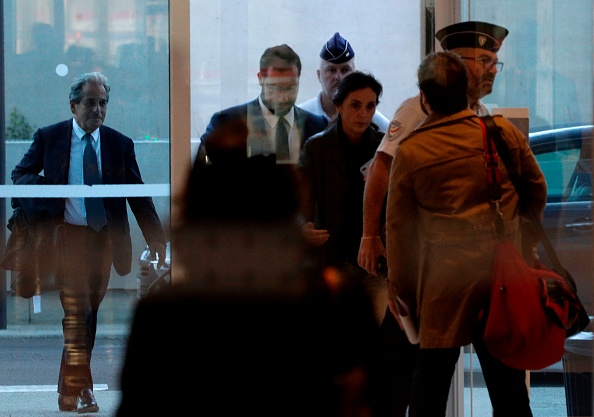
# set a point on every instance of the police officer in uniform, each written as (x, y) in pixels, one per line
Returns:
(477, 43)
(337, 59)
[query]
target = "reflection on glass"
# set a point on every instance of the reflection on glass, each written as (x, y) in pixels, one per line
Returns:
(126, 40)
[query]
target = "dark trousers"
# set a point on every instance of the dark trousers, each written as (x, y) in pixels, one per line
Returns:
(398, 355)
(86, 267)
(400, 360)
(435, 368)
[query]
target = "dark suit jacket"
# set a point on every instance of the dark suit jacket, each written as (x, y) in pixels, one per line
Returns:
(251, 113)
(50, 153)
(334, 185)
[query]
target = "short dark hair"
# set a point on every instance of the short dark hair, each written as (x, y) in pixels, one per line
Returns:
(76, 88)
(284, 52)
(354, 81)
(443, 79)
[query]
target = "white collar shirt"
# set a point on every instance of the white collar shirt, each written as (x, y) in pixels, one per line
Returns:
(271, 120)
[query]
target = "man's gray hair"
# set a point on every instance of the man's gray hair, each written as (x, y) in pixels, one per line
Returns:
(89, 77)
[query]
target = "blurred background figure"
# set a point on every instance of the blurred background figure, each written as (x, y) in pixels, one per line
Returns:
(45, 42)
(81, 59)
(246, 327)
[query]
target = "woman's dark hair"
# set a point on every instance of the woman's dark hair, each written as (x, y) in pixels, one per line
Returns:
(354, 81)
(443, 79)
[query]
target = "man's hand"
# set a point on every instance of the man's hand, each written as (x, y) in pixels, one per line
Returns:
(370, 251)
(313, 236)
(158, 251)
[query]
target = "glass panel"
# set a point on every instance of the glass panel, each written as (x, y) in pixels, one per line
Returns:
(558, 168)
(47, 43)
(228, 38)
(547, 72)
(544, 68)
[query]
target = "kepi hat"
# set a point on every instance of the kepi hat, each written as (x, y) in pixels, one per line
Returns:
(337, 50)
(472, 35)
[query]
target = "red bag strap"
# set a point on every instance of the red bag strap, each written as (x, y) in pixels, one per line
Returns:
(494, 176)
(491, 132)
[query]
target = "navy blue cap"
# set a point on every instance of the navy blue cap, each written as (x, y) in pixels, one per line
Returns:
(337, 50)
(472, 35)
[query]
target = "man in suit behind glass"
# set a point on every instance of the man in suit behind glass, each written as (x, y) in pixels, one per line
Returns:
(89, 249)
(280, 69)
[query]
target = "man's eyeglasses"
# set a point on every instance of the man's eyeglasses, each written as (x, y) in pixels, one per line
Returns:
(487, 63)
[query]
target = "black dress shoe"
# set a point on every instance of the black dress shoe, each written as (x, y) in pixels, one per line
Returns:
(67, 402)
(87, 402)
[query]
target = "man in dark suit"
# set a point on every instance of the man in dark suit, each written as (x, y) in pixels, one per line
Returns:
(280, 69)
(96, 230)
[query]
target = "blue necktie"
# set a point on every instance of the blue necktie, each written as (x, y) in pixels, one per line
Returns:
(282, 140)
(95, 208)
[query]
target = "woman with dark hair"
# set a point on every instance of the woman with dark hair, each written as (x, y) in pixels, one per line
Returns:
(332, 165)
(332, 170)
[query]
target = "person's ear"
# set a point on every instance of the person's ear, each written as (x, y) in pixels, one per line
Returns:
(424, 103)
(319, 75)
(260, 78)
